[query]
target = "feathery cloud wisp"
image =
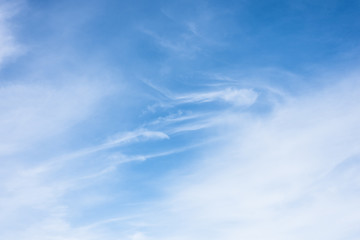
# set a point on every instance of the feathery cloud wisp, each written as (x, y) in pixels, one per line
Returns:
(8, 45)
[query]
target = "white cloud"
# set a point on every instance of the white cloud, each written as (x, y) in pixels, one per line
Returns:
(114, 141)
(137, 135)
(8, 45)
(231, 95)
(195, 126)
(181, 46)
(238, 97)
(176, 118)
(30, 115)
(32, 112)
(138, 236)
(284, 176)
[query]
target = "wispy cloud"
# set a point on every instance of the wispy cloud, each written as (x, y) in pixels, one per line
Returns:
(31, 115)
(232, 95)
(238, 97)
(8, 45)
(32, 112)
(273, 177)
(176, 118)
(137, 135)
(183, 45)
(116, 159)
(113, 142)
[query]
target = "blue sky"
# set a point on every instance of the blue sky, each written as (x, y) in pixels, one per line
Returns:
(179, 120)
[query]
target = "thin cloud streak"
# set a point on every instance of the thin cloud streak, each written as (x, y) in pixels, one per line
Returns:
(232, 95)
(238, 97)
(119, 158)
(115, 141)
(8, 45)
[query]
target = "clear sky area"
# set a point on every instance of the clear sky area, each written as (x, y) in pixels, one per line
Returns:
(179, 120)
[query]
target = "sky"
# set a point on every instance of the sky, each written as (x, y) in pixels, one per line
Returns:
(179, 120)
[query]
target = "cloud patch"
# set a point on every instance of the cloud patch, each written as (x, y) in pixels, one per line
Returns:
(8, 46)
(237, 97)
